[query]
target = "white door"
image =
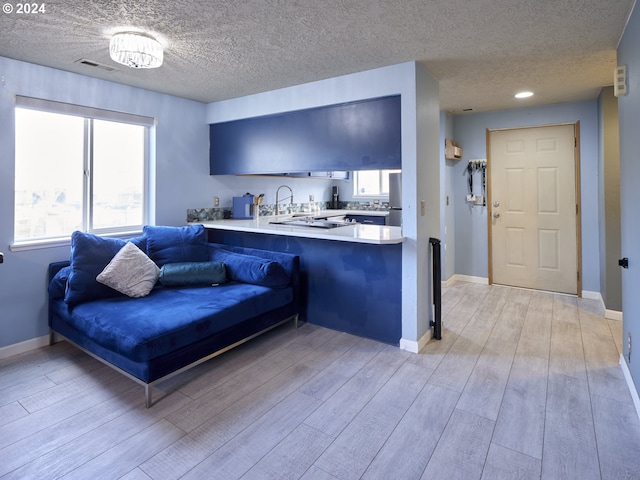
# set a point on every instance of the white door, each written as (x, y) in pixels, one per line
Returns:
(533, 219)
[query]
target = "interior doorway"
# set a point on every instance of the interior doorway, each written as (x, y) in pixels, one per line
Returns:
(533, 207)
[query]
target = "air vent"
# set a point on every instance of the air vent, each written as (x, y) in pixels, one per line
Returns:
(91, 63)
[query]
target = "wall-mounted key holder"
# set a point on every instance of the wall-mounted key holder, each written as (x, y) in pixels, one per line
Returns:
(477, 169)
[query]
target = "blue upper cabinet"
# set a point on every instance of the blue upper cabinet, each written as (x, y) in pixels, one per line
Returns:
(363, 135)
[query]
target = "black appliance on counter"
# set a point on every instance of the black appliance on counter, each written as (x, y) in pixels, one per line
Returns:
(334, 203)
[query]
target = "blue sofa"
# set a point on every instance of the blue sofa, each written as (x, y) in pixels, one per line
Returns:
(172, 328)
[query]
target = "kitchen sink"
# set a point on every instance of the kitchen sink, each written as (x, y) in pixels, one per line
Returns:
(310, 222)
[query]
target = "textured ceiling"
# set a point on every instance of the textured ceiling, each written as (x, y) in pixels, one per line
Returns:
(481, 51)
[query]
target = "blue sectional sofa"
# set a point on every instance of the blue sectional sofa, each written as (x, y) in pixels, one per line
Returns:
(187, 317)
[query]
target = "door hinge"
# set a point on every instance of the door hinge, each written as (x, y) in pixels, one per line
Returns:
(578, 275)
(575, 142)
(577, 209)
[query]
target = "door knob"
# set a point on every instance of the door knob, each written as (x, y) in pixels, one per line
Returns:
(624, 262)
(496, 214)
(496, 203)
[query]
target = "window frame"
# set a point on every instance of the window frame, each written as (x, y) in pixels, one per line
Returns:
(89, 115)
(358, 195)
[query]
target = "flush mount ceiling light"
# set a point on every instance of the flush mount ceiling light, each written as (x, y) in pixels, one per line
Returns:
(135, 50)
(524, 95)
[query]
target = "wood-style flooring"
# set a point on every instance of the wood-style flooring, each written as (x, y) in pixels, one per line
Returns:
(523, 385)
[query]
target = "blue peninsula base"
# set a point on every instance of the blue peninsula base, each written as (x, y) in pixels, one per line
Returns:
(346, 286)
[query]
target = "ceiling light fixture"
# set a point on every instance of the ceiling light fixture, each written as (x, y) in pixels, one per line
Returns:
(524, 95)
(135, 50)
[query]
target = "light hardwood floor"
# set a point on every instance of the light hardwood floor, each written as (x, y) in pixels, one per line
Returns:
(523, 385)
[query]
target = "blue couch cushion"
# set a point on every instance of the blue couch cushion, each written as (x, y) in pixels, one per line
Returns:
(58, 284)
(251, 269)
(170, 318)
(89, 255)
(185, 274)
(176, 244)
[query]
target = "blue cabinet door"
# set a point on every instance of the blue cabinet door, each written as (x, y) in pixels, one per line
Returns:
(363, 135)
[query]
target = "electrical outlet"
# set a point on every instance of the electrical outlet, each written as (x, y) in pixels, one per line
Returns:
(471, 198)
(311, 197)
(423, 207)
(216, 201)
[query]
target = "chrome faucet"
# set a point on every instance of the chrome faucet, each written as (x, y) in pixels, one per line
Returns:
(278, 200)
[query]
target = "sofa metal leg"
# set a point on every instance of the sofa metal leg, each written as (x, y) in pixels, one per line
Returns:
(52, 339)
(147, 396)
(296, 324)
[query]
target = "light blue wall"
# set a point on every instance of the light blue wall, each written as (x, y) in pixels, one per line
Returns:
(629, 117)
(180, 165)
(180, 169)
(374, 83)
(448, 228)
(420, 157)
(471, 243)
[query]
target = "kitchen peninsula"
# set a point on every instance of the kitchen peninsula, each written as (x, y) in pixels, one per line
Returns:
(351, 275)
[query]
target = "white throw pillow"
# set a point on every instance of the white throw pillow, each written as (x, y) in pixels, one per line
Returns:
(130, 272)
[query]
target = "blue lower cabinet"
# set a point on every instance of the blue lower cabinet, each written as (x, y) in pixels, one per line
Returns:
(350, 287)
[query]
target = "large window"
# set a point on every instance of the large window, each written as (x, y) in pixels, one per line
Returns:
(371, 183)
(78, 168)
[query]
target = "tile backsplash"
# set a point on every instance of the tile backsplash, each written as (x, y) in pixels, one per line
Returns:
(219, 213)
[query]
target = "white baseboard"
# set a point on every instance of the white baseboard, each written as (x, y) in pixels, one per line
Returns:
(23, 347)
(610, 314)
(592, 295)
(632, 387)
(453, 279)
(413, 346)
(597, 296)
(450, 282)
(613, 315)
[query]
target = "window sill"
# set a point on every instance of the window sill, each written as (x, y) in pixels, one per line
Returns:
(62, 241)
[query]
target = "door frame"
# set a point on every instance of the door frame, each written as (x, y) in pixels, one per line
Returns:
(576, 161)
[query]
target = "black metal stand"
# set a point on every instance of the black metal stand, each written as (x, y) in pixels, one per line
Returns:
(436, 323)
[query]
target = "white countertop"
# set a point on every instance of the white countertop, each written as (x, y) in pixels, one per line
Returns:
(356, 233)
